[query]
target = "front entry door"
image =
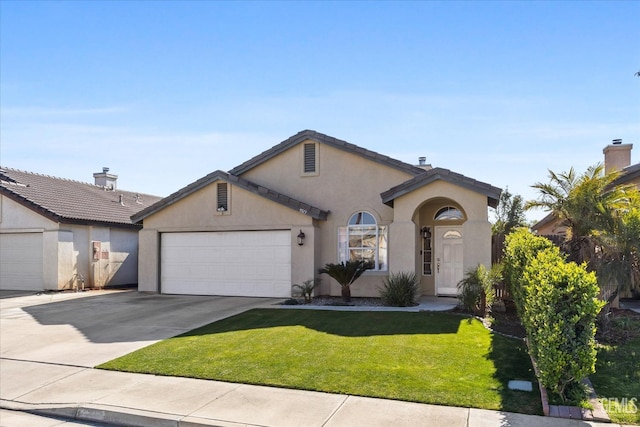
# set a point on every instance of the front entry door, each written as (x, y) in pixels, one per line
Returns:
(448, 260)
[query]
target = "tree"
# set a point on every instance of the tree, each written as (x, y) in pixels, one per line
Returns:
(509, 213)
(600, 222)
(586, 204)
(619, 265)
(345, 274)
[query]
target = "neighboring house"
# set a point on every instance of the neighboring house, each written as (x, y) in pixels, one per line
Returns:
(617, 157)
(274, 220)
(60, 234)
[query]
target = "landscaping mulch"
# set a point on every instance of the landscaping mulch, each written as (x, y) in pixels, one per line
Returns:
(508, 322)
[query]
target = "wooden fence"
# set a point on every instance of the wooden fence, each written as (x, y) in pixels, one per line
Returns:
(497, 245)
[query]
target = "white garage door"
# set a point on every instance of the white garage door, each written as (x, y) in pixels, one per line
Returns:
(238, 263)
(21, 261)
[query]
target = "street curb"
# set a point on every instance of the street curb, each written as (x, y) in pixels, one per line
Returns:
(111, 415)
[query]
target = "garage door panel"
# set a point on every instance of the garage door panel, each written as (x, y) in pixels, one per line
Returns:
(21, 261)
(227, 263)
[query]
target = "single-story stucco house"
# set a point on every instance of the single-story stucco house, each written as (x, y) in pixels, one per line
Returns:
(58, 234)
(274, 220)
(617, 157)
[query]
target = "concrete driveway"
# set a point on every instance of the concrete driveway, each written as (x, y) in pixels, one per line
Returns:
(89, 328)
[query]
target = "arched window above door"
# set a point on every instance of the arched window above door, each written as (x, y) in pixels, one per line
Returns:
(448, 213)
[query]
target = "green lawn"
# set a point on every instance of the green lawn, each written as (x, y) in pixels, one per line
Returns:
(421, 357)
(617, 379)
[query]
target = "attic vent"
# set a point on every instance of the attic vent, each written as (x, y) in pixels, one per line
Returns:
(309, 158)
(223, 197)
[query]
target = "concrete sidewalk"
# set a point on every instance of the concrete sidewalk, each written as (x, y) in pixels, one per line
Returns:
(91, 395)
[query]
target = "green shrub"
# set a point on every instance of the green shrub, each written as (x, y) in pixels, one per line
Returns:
(557, 303)
(307, 288)
(521, 246)
(400, 290)
(476, 289)
(560, 318)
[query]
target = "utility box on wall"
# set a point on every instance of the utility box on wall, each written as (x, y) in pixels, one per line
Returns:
(99, 264)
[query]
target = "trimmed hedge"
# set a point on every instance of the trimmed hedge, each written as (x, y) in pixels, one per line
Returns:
(557, 303)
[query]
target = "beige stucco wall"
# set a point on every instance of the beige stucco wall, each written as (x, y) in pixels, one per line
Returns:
(247, 212)
(635, 182)
(14, 216)
(345, 183)
(67, 249)
(417, 209)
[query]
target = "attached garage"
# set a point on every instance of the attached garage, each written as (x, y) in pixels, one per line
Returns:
(230, 263)
(21, 261)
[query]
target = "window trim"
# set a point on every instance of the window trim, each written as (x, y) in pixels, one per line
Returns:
(427, 254)
(381, 249)
(444, 210)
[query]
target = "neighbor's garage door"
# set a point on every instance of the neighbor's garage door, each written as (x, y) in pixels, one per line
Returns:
(239, 263)
(21, 261)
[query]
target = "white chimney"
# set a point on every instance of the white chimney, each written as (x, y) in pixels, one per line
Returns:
(105, 179)
(617, 156)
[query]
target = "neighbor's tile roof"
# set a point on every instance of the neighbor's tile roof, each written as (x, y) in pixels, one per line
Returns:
(429, 176)
(629, 173)
(67, 201)
(260, 190)
(324, 139)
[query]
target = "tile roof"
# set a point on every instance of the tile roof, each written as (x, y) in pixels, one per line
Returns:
(73, 202)
(325, 139)
(260, 190)
(629, 173)
(493, 193)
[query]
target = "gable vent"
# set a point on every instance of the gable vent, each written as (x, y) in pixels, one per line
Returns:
(223, 199)
(309, 158)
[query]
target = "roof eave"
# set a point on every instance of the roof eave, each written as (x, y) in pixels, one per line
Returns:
(492, 193)
(52, 216)
(324, 139)
(286, 201)
(179, 195)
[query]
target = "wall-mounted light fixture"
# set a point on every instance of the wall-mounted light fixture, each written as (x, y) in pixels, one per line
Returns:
(301, 237)
(425, 232)
(221, 208)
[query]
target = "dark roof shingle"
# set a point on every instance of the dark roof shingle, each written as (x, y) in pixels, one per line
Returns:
(67, 201)
(260, 190)
(492, 193)
(325, 139)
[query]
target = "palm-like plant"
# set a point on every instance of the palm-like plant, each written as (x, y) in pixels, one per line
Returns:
(586, 204)
(619, 265)
(603, 224)
(345, 274)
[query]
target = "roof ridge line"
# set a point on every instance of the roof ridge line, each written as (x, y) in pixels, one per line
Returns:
(74, 181)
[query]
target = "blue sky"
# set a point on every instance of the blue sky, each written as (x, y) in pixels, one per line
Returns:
(165, 92)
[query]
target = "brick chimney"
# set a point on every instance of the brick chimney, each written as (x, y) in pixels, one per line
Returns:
(617, 156)
(105, 179)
